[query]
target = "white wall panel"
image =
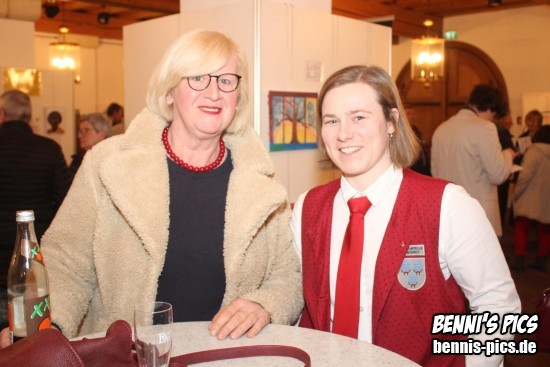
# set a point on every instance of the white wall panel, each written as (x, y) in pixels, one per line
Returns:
(144, 45)
(17, 43)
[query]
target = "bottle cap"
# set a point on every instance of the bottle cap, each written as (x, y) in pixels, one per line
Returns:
(24, 216)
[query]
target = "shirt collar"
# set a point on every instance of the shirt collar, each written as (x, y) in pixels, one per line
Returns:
(379, 188)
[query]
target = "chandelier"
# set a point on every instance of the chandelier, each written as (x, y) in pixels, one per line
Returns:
(65, 55)
(427, 57)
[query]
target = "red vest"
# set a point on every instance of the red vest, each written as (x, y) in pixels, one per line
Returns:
(401, 318)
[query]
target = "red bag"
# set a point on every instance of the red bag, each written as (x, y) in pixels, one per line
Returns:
(543, 331)
(50, 348)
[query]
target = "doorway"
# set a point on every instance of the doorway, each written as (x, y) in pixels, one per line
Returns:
(465, 66)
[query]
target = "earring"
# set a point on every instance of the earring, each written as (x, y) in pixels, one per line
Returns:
(390, 135)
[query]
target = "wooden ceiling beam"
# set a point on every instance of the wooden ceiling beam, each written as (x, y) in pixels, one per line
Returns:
(81, 23)
(159, 6)
(49, 26)
(85, 22)
(406, 23)
(407, 15)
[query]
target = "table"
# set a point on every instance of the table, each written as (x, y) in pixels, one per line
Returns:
(325, 349)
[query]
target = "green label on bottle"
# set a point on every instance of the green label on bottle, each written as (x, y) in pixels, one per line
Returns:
(32, 250)
(37, 314)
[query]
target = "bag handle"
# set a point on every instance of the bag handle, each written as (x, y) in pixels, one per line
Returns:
(241, 352)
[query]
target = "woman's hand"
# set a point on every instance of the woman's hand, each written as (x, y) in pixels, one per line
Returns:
(5, 338)
(239, 317)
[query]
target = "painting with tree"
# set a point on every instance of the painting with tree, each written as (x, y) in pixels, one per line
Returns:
(292, 121)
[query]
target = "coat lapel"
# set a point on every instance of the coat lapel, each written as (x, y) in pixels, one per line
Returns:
(143, 202)
(252, 196)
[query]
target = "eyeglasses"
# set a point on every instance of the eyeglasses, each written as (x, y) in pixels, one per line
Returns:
(226, 82)
(84, 131)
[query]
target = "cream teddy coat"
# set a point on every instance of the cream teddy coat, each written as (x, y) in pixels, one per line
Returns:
(106, 246)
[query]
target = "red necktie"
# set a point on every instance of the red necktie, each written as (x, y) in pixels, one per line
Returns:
(346, 306)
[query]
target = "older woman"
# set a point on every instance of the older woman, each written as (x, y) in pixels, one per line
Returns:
(92, 128)
(415, 246)
(530, 207)
(182, 208)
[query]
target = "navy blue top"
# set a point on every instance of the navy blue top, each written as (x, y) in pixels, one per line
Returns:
(193, 277)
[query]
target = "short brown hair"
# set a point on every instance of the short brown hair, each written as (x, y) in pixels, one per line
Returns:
(485, 97)
(535, 115)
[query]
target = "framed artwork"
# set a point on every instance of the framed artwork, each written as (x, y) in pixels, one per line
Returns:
(26, 80)
(54, 118)
(292, 121)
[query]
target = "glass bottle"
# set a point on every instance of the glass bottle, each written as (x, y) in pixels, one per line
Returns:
(28, 289)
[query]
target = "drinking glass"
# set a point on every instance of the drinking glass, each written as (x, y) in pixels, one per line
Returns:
(153, 333)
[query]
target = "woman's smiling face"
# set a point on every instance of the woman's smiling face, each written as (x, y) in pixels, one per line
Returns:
(355, 133)
(206, 113)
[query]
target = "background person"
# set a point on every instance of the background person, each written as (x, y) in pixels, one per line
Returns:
(531, 202)
(427, 244)
(505, 139)
(115, 112)
(466, 150)
(182, 208)
(422, 163)
(533, 122)
(33, 175)
(92, 128)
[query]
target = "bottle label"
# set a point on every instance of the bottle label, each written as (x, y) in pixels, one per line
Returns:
(37, 313)
(31, 249)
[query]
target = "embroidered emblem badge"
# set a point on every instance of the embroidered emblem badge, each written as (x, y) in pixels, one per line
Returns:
(412, 273)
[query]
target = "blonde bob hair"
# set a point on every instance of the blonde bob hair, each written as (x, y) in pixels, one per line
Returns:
(195, 53)
(403, 145)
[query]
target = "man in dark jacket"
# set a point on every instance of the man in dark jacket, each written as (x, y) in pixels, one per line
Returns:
(33, 175)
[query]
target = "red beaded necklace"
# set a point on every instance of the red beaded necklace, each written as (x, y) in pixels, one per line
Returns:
(189, 167)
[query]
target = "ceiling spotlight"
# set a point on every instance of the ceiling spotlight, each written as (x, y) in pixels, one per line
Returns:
(493, 3)
(51, 9)
(103, 18)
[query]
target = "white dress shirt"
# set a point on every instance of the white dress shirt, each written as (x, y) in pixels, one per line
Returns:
(468, 249)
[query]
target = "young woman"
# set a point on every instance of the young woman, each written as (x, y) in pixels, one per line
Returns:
(427, 245)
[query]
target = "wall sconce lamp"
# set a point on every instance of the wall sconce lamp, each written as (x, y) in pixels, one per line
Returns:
(427, 57)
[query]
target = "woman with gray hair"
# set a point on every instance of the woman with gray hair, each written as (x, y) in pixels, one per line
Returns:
(92, 128)
(182, 208)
